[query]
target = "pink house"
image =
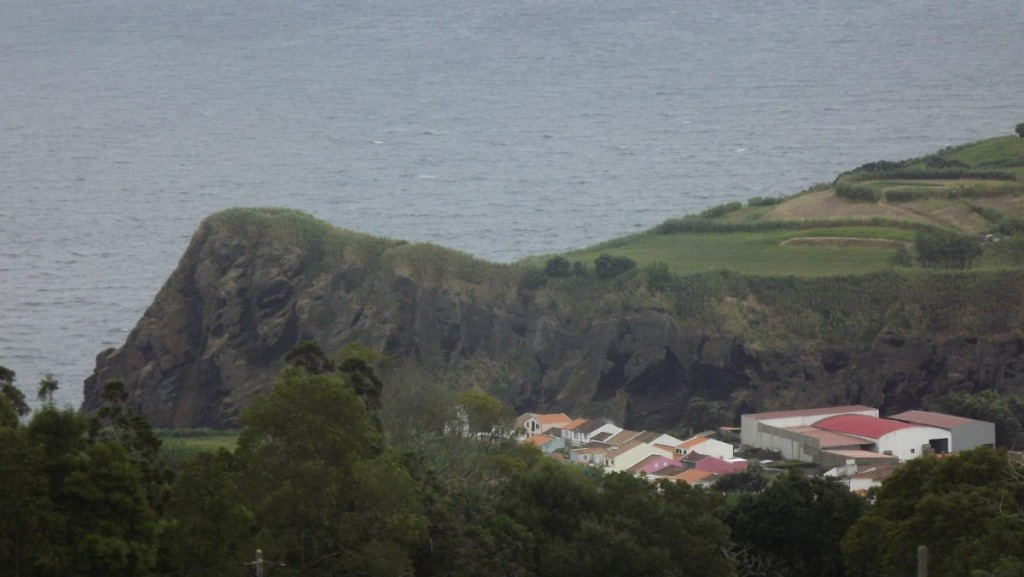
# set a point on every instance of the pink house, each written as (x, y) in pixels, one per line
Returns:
(652, 465)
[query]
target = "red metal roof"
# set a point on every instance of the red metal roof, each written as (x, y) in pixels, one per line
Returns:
(939, 420)
(862, 425)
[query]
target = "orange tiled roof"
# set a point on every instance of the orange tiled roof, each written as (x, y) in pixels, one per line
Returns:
(693, 442)
(694, 476)
(553, 418)
(575, 423)
(538, 440)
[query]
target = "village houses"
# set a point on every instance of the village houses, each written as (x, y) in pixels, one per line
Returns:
(856, 445)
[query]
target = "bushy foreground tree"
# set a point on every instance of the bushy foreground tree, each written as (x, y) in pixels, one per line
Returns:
(968, 509)
(71, 504)
(798, 523)
(326, 494)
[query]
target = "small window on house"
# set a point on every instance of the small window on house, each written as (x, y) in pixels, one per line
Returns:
(912, 451)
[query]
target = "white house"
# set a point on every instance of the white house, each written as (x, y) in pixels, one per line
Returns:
(704, 446)
(591, 455)
(535, 424)
(579, 434)
(625, 456)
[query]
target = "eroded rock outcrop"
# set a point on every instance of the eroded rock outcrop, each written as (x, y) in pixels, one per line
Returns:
(253, 283)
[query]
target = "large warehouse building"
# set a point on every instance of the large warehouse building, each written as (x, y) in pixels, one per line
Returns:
(964, 433)
(832, 436)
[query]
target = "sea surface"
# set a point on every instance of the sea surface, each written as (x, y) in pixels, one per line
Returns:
(500, 128)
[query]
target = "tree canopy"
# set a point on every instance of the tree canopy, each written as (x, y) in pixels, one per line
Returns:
(326, 494)
(798, 521)
(966, 508)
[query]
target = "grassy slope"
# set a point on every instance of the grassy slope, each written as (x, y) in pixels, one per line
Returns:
(767, 252)
(761, 253)
(185, 444)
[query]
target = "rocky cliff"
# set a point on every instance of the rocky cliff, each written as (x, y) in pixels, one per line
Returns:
(253, 283)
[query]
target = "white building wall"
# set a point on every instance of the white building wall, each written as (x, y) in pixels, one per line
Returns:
(532, 426)
(907, 443)
(971, 435)
(715, 448)
(862, 484)
(667, 440)
(788, 444)
(578, 438)
(749, 433)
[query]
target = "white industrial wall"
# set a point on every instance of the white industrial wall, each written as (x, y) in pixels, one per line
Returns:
(907, 443)
(971, 435)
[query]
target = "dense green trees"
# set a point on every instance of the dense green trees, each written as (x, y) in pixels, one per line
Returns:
(11, 397)
(71, 504)
(557, 267)
(325, 492)
(703, 415)
(326, 483)
(967, 509)
(948, 249)
(206, 525)
(618, 525)
(607, 266)
(799, 522)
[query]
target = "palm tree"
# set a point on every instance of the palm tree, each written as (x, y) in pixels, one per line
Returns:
(47, 387)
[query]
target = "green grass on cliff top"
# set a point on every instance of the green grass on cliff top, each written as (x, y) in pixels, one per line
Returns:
(761, 253)
(990, 152)
(766, 252)
(753, 239)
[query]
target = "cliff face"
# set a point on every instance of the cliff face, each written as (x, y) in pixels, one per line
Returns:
(249, 287)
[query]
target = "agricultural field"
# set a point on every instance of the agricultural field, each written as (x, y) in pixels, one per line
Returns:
(189, 442)
(808, 252)
(865, 221)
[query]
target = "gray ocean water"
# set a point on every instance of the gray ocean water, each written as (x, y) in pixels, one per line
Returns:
(500, 128)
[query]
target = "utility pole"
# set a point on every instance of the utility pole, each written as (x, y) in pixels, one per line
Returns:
(260, 568)
(922, 561)
(256, 565)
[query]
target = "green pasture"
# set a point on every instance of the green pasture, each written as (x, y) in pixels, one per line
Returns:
(759, 253)
(187, 443)
(990, 152)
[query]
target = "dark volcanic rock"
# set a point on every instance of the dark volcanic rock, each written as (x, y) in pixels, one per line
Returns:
(249, 287)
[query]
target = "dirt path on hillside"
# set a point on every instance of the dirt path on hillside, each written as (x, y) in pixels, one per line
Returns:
(843, 242)
(816, 204)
